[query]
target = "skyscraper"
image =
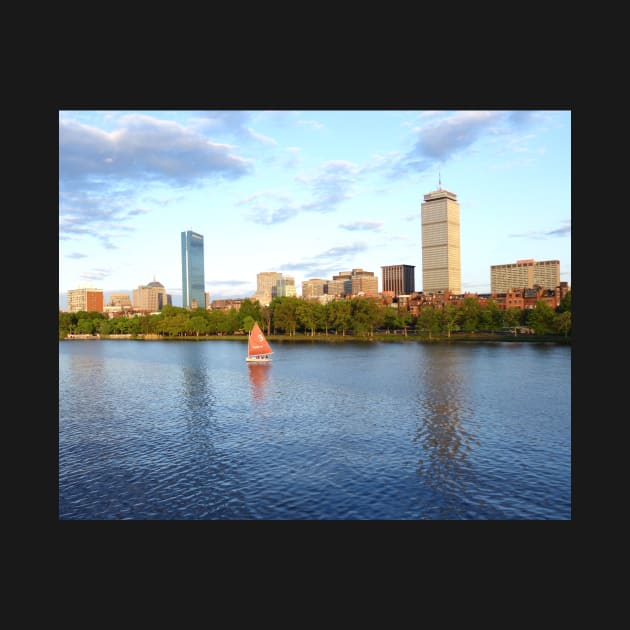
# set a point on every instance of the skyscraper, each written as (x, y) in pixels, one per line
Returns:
(193, 283)
(441, 266)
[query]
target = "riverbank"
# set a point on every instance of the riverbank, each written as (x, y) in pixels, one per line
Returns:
(331, 338)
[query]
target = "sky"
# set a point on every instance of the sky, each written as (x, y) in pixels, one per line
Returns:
(305, 193)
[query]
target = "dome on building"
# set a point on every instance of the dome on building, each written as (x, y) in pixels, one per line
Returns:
(158, 285)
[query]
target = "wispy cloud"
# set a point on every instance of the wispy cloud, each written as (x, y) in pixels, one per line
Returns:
(228, 283)
(326, 263)
(564, 230)
(294, 157)
(373, 226)
(310, 123)
(76, 255)
(328, 188)
(439, 139)
(97, 274)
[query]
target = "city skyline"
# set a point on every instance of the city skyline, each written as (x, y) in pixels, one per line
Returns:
(308, 194)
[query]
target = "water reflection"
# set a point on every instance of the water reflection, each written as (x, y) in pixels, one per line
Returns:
(444, 428)
(197, 397)
(258, 377)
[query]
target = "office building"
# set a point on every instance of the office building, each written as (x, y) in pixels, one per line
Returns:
(119, 299)
(285, 287)
(149, 297)
(266, 286)
(399, 278)
(85, 299)
(364, 283)
(193, 280)
(525, 274)
(441, 266)
(313, 288)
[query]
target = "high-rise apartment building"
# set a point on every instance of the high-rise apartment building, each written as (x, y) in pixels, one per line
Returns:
(193, 281)
(441, 265)
(85, 299)
(524, 274)
(399, 278)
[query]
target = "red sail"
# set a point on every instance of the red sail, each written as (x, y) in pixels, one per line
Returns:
(257, 343)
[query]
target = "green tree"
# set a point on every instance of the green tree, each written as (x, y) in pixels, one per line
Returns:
(341, 315)
(491, 317)
(216, 321)
(428, 320)
(366, 314)
(448, 318)
(512, 317)
(565, 305)
(390, 319)
(248, 323)
(470, 312)
(230, 323)
(103, 327)
(198, 325)
(249, 308)
(563, 322)
(86, 326)
(305, 314)
(541, 318)
(285, 313)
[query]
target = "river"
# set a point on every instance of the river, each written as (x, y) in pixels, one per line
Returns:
(186, 430)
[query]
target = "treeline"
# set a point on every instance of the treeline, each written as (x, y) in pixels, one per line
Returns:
(358, 316)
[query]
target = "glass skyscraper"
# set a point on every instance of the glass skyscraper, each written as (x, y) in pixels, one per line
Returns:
(193, 283)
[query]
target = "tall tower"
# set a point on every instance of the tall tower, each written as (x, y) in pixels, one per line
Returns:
(193, 282)
(441, 266)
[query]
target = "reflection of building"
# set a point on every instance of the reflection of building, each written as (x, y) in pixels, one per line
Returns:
(85, 299)
(399, 278)
(444, 435)
(193, 282)
(525, 274)
(441, 267)
(150, 297)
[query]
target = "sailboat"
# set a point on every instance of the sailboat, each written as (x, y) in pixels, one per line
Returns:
(258, 348)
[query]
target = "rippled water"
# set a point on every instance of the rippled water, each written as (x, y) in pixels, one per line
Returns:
(188, 430)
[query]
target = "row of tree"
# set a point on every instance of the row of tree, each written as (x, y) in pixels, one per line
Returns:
(289, 315)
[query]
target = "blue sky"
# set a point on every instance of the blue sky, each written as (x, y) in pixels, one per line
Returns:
(305, 193)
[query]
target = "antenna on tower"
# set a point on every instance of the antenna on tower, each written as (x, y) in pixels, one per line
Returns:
(439, 179)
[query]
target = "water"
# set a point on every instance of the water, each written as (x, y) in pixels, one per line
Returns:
(188, 430)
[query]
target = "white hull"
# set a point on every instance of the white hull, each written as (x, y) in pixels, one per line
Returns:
(258, 360)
